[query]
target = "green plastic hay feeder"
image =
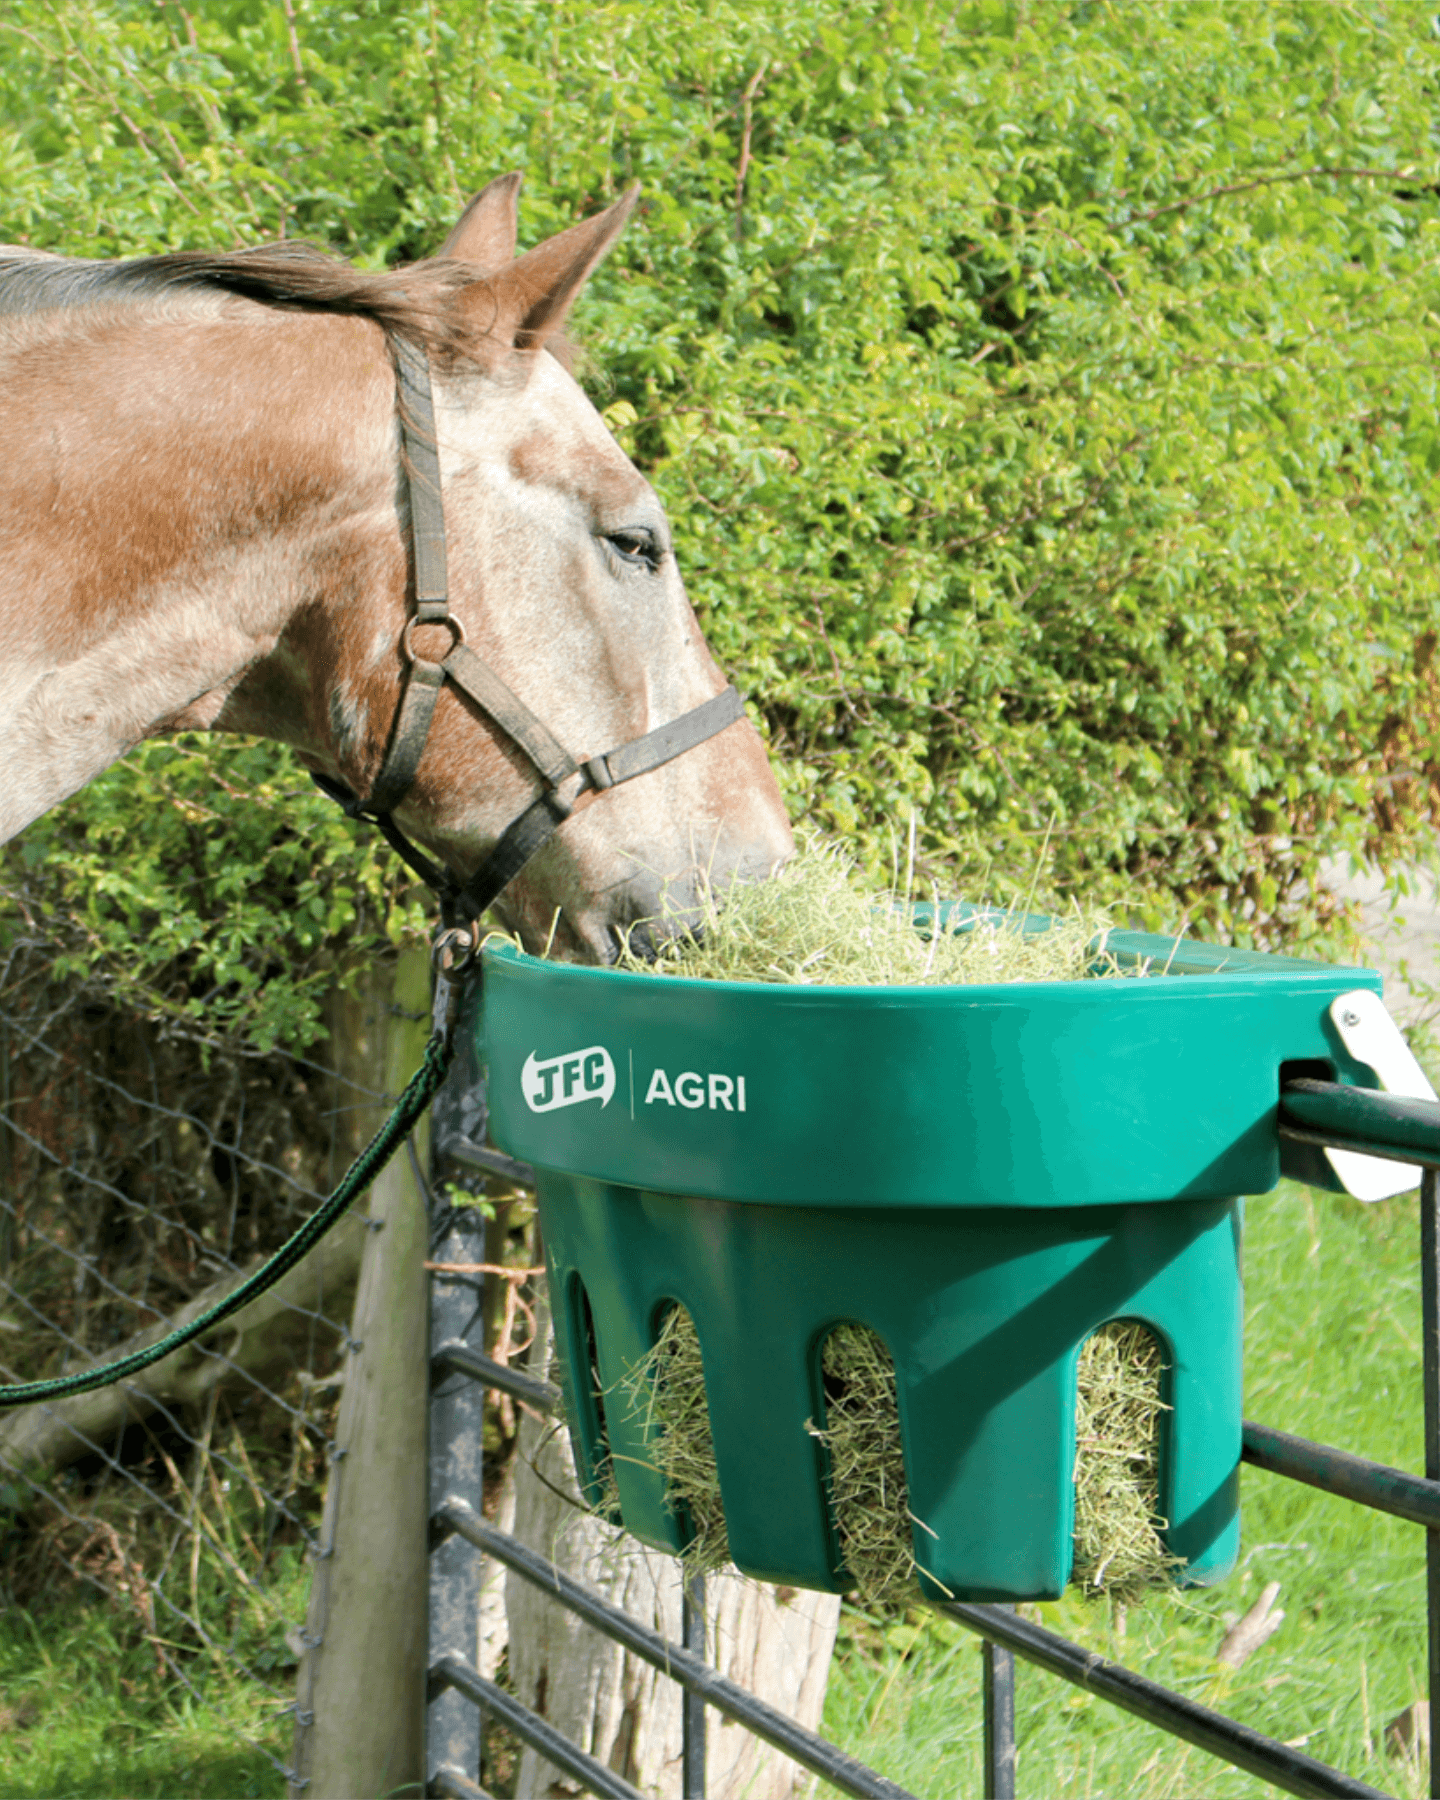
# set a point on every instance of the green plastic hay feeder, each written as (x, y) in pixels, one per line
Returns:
(982, 1175)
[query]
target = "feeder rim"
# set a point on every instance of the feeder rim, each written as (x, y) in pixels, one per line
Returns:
(1220, 970)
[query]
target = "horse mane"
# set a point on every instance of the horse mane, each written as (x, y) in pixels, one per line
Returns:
(412, 304)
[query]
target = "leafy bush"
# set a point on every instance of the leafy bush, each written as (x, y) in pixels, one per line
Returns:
(208, 887)
(1042, 395)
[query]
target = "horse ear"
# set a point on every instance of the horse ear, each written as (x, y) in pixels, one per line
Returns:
(533, 295)
(485, 232)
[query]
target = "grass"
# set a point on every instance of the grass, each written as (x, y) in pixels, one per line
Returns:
(84, 1710)
(84, 1716)
(1333, 1352)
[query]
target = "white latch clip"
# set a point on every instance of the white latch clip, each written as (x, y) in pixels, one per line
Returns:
(1373, 1038)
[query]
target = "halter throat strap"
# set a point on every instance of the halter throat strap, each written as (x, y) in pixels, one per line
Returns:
(564, 778)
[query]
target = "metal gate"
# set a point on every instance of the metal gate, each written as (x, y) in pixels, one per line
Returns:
(459, 1697)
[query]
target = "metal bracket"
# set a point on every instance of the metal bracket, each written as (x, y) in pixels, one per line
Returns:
(1372, 1037)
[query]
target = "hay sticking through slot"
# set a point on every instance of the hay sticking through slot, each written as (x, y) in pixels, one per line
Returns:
(868, 1491)
(667, 1391)
(1119, 1552)
(817, 922)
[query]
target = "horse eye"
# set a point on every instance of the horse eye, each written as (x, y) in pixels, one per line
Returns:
(636, 544)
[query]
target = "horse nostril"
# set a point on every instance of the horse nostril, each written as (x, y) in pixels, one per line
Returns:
(652, 937)
(639, 940)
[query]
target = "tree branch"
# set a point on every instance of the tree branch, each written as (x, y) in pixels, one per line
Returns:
(267, 1338)
(1245, 187)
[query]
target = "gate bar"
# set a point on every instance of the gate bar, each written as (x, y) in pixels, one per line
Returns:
(455, 1436)
(692, 1705)
(1372, 1484)
(1332, 1140)
(1290, 1770)
(681, 1665)
(1430, 1327)
(456, 1358)
(531, 1729)
(1373, 1122)
(487, 1161)
(453, 1730)
(450, 1784)
(997, 1688)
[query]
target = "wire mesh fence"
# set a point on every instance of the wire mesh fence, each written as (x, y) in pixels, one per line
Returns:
(146, 1166)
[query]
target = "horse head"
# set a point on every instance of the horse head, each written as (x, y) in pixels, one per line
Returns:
(229, 433)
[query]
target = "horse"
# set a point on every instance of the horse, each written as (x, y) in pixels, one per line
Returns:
(212, 470)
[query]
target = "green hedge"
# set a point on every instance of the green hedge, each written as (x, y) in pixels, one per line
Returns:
(1043, 395)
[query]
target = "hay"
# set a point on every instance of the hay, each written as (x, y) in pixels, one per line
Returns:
(1118, 1548)
(817, 922)
(1119, 1554)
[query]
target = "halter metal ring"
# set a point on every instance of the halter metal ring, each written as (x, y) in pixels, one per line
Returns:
(452, 624)
(453, 949)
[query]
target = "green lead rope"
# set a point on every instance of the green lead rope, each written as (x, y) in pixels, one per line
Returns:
(418, 1094)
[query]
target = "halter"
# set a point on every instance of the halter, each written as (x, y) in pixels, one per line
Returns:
(565, 778)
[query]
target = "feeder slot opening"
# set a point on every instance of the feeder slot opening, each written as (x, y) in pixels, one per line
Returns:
(668, 1390)
(1120, 1407)
(596, 1476)
(866, 1484)
(1307, 1068)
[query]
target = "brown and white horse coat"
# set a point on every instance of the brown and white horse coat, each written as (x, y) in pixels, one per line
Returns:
(202, 526)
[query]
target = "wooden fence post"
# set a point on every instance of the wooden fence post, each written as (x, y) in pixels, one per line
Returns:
(360, 1689)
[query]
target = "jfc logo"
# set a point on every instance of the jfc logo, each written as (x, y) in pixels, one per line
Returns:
(567, 1080)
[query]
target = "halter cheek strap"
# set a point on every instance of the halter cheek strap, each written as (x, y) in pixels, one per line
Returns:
(564, 779)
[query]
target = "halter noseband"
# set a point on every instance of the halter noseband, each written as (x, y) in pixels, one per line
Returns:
(565, 779)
